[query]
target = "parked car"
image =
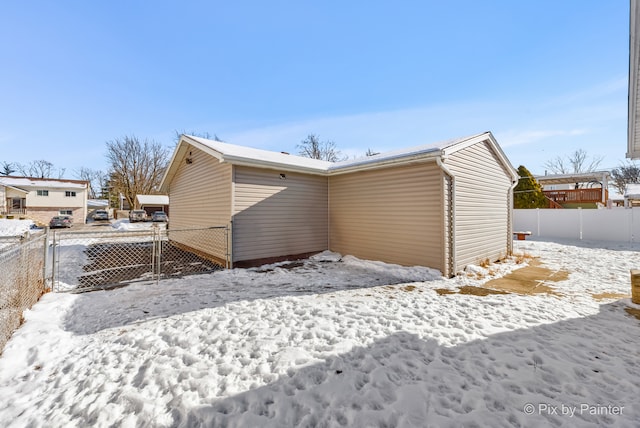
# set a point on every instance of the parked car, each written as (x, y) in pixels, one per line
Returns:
(160, 216)
(61, 221)
(137, 215)
(101, 215)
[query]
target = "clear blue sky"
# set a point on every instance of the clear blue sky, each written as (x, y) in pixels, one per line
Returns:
(546, 77)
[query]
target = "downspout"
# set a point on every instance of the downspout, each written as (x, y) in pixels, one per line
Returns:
(328, 213)
(85, 209)
(514, 183)
(231, 218)
(450, 212)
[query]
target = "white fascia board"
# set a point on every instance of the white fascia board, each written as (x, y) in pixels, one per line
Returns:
(400, 160)
(179, 154)
(17, 189)
(257, 163)
(486, 136)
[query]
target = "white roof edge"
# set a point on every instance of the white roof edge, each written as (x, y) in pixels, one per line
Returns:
(51, 183)
(258, 163)
(207, 149)
(417, 153)
(463, 143)
(153, 199)
(247, 156)
(485, 136)
(595, 174)
(180, 150)
(632, 191)
(14, 188)
(393, 160)
(234, 154)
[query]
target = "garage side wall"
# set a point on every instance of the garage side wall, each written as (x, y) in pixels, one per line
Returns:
(482, 205)
(278, 213)
(200, 196)
(394, 215)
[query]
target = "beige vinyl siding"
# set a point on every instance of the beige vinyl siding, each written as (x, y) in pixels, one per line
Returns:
(481, 205)
(447, 231)
(278, 217)
(200, 196)
(57, 198)
(394, 215)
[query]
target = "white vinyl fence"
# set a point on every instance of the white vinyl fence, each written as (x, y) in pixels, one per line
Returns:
(616, 224)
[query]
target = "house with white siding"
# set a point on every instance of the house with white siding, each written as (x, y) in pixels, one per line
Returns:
(443, 205)
(40, 199)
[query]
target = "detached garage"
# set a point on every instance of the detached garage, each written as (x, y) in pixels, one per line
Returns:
(443, 206)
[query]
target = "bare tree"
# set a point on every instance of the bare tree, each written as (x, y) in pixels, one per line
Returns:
(313, 148)
(371, 153)
(626, 173)
(205, 134)
(39, 169)
(575, 163)
(22, 169)
(136, 167)
(97, 180)
(7, 168)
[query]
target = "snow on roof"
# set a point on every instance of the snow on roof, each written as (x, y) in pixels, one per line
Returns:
(153, 199)
(632, 191)
(580, 177)
(17, 189)
(235, 154)
(97, 203)
(422, 150)
(22, 182)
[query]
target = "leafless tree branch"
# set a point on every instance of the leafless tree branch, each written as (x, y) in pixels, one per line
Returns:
(136, 167)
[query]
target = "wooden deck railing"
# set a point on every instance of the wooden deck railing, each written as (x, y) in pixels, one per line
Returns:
(576, 195)
(14, 211)
(553, 204)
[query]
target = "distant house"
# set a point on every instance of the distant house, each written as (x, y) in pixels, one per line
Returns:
(153, 203)
(443, 206)
(42, 198)
(94, 205)
(584, 190)
(632, 195)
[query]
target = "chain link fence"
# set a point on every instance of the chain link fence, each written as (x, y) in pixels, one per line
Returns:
(85, 261)
(79, 261)
(22, 268)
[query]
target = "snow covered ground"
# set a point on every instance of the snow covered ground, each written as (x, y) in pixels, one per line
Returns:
(14, 227)
(331, 343)
(19, 227)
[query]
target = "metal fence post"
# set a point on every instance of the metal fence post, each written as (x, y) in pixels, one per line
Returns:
(158, 255)
(229, 243)
(54, 259)
(45, 251)
(580, 221)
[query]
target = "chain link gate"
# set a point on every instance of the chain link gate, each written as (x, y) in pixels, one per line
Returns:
(85, 261)
(22, 271)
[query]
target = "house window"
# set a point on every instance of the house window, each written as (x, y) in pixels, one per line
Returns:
(42, 192)
(66, 212)
(70, 194)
